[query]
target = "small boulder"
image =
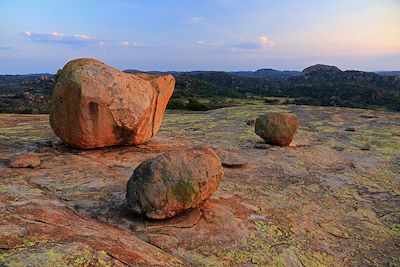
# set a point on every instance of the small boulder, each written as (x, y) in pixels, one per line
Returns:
(95, 105)
(277, 128)
(230, 159)
(350, 129)
(27, 160)
(174, 182)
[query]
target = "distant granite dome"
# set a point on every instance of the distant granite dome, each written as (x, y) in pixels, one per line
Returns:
(320, 67)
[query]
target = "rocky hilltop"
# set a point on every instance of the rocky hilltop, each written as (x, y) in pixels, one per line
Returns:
(320, 68)
(331, 198)
(316, 85)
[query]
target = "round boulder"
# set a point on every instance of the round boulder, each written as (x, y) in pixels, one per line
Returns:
(277, 128)
(95, 105)
(174, 182)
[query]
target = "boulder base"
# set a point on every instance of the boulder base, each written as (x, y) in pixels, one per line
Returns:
(174, 182)
(95, 105)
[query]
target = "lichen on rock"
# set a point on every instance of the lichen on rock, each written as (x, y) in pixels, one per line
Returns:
(174, 182)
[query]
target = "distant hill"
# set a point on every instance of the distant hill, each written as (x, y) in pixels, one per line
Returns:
(320, 68)
(323, 74)
(315, 85)
(328, 85)
(268, 74)
(388, 73)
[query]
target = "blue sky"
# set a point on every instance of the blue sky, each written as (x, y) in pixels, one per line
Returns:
(41, 36)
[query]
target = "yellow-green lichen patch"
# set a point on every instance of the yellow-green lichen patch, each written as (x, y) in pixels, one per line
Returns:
(395, 228)
(385, 139)
(259, 247)
(26, 133)
(323, 201)
(325, 126)
(198, 259)
(184, 191)
(318, 259)
(57, 254)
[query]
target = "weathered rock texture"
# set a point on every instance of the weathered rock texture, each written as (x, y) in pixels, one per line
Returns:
(328, 203)
(26, 160)
(174, 182)
(230, 159)
(277, 128)
(95, 105)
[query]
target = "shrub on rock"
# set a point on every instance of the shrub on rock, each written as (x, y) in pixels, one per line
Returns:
(277, 128)
(95, 105)
(174, 182)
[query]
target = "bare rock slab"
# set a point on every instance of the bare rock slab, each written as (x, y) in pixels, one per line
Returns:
(95, 105)
(231, 159)
(277, 128)
(174, 182)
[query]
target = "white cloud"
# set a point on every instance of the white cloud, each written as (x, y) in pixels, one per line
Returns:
(197, 19)
(57, 37)
(125, 43)
(257, 43)
(264, 40)
(212, 43)
(129, 44)
(83, 36)
(77, 39)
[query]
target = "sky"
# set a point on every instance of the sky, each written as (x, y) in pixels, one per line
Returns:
(43, 35)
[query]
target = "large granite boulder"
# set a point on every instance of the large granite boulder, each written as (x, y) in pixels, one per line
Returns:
(277, 128)
(174, 182)
(95, 105)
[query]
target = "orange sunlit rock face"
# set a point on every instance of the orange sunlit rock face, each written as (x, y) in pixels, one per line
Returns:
(95, 105)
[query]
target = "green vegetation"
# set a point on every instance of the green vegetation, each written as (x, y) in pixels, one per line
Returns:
(201, 104)
(199, 91)
(54, 254)
(319, 88)
(25, 94)
(272, 101)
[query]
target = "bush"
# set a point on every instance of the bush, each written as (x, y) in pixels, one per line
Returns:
(307, 101)
(272, 101)
(196, 105)
(287, 102)
(176, 103)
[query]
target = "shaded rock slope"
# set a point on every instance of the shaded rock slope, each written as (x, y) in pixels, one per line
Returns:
(322, 201)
